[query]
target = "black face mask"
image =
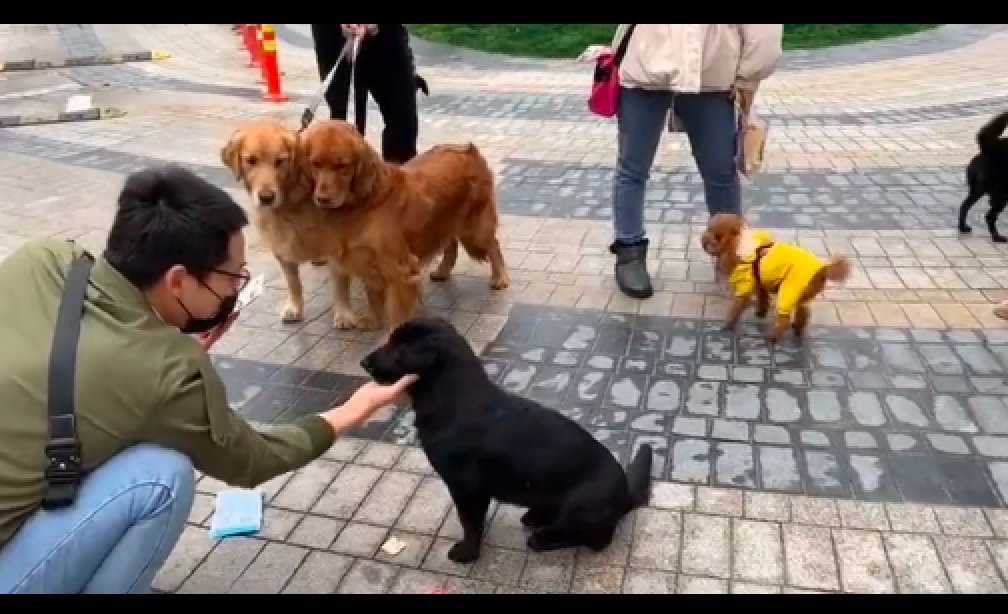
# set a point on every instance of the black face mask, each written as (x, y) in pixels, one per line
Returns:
(198, 326)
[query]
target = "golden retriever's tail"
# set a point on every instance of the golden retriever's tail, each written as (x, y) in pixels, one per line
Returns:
(482, 198)
(991, 132)
(838, 270)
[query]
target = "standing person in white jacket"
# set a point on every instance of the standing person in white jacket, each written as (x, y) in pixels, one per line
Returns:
(694, 69)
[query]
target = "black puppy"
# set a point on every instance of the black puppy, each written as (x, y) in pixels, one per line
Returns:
(987, 173)
(486, 444)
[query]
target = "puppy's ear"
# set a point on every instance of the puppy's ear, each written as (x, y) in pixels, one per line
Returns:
(294, 146)
(419, 358)
(231, 153)
(366, 170)
(735, 226)
(291, 142)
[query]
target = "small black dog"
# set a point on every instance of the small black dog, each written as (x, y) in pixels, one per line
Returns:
(987, 173)
(486, 444)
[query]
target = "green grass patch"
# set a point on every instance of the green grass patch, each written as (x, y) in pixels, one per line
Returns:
(545, 40)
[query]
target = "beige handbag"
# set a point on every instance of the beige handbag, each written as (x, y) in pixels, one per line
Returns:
(752, 135)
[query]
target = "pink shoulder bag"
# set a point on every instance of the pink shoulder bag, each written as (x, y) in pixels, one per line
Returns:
(604, 97)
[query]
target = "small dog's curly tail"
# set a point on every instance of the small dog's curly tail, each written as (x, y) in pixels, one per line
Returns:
(638, 475)
(421, 84)
(991, 132)
(838, 270)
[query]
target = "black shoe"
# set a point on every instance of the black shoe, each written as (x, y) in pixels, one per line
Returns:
(631, 269)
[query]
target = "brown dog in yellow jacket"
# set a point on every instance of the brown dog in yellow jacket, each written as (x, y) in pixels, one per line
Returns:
(795, 275)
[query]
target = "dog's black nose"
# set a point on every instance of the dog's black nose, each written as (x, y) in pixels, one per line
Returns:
(323, 201)
(267, 197)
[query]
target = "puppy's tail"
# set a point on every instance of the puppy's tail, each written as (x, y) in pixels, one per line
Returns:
(838, 270)
(638, 475)
(421, 84)
(991, 132)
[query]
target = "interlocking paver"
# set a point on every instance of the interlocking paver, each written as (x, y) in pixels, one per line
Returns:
(275, 565)
(873, 458)
(368, 577)
(970, 567)
(657, 539)
(757, 552)
(707, 547)
(808, 558)
(916, 565)
(864, 567)
(316, 532)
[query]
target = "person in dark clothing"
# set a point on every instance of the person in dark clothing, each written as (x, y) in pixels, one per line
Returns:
(385, 68)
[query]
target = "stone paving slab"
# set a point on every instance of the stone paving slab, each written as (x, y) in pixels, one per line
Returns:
(324, 528)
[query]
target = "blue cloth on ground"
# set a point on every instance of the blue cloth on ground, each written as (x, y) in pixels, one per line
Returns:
(238, 512)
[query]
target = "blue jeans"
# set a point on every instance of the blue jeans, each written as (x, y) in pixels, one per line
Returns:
(709, 121)
(128, 515)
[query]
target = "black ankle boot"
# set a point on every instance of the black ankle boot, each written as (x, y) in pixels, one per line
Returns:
(631, 269)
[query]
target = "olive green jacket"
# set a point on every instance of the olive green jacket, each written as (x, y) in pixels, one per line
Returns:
(138, 380)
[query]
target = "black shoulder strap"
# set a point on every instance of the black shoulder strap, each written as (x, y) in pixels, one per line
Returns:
(63, 452)
(622, 48)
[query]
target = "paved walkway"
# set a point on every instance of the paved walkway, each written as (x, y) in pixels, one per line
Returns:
(872, 459)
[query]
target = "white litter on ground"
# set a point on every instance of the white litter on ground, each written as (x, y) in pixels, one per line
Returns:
(393, 546)
(78, 103)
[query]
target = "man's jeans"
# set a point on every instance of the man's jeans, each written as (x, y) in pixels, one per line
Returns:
(709, 121)
(128, 516)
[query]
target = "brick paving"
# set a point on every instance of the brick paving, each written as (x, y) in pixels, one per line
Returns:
(874, 458)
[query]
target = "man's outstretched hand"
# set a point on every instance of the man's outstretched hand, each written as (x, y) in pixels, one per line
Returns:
(365, 402)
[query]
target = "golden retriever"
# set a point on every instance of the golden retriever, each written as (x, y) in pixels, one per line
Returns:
(265, 157)
(396, 219)
(759, 265)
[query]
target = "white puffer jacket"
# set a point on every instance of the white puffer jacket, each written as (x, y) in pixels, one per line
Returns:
(699, 57)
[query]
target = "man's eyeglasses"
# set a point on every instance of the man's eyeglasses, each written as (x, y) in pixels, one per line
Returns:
(244, 277)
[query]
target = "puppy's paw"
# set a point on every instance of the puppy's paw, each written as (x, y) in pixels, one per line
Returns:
(344, 319)
(537, 543)
(500, 283)
(368, 321)
(965, 228)
(533, 520)
(801, 321)
(292, 313)
(463, 552)
(999, 239)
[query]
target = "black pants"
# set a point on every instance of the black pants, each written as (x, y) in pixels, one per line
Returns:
(384, 68)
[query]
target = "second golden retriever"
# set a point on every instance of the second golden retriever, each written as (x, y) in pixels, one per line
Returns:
(266, 158)
(396, 219)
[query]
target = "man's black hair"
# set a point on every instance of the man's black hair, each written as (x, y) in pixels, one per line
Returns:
(168, 216)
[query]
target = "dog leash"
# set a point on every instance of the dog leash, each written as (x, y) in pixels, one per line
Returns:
(348, 53)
